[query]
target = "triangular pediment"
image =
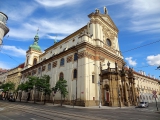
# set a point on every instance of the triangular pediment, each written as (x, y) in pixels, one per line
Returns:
(108, 19)
(104, 18)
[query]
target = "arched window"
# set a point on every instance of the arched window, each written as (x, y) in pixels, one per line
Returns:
(62, 62)
(75, 56)
(108, 41)
(75, 73)
(27, 60)
(34, 61)
(61, 76)
(93, 78)
(49, 66)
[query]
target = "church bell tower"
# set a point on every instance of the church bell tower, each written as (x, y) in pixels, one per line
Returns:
(32, 55)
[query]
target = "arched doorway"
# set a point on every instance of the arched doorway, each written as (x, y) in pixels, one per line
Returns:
(107, 95)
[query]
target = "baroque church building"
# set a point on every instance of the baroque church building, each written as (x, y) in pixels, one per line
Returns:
(91, 62)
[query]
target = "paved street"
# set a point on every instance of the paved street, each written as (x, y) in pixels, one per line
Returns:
(31, 111)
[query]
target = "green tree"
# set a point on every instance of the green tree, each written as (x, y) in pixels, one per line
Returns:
(45, 85)
(22, 87)
(41, 84)
(61, 86)
(7, 87)
(33, 84)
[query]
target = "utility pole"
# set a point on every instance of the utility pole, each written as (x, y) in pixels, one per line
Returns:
(99, 82)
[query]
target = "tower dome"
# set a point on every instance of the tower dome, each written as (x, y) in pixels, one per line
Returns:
(35, 45)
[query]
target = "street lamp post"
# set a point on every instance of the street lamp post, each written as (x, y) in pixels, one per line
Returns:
(34, 89)
(143, 95)
(99, 83)
(119, 96)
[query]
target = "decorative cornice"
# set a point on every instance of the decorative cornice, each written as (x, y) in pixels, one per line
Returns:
(66, 39)
(91, 52)
(30, 50)
(102, 22)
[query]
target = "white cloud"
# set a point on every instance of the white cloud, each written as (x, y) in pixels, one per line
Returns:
(57, 3)
(113, 2)
(143, 8)
(144, 15)
(55, 37)
(139, 16)
(58, 26)
(13, 51)
(130, 61)
(20, 11)
(4, 65)
(153, 60)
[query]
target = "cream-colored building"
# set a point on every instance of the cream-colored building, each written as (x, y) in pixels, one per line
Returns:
(77, 58)
(3, 76)
(85, 57)
(14, 75)
(3, 28)
(145, 85)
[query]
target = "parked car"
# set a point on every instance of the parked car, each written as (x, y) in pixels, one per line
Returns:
(143, 104)
(11, 99)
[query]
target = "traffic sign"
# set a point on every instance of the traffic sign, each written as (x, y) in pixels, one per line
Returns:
(155, 96)
(154, 92)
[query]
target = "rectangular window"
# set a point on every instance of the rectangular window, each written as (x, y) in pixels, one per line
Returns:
(92, 78)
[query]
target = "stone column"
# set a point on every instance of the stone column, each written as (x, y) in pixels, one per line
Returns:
(134, 93)
(126, 93)
(110, 91)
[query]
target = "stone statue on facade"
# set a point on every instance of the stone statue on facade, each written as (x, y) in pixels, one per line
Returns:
(105, 10)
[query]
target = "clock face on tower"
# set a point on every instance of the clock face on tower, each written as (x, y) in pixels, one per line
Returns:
(108, 41)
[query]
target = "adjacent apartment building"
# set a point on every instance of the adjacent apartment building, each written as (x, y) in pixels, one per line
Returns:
(14, 75)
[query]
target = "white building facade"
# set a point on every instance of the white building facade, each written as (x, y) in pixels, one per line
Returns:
(77, 59)
(145, 85)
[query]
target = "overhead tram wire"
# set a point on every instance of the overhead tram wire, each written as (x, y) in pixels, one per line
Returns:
(141, 46)
(7, 54)
(122, 52)
(10, 57)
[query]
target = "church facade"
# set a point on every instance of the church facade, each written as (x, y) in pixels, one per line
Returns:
(85, 59)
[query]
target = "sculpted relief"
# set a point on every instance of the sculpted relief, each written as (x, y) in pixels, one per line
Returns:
(108, 34)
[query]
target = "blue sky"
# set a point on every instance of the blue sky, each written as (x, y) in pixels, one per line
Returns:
(138, 22)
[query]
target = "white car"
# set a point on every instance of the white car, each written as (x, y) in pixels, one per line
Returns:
(143, 104)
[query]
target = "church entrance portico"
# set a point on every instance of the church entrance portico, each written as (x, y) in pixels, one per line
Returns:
(118, 87)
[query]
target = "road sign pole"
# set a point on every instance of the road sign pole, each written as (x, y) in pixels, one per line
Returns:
(156, 103)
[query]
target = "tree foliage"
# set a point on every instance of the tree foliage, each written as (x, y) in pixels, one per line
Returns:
(61, 86)
(7, 86)
(41, 84)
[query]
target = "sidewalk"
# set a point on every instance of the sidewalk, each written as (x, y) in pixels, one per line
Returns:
(80, 107)
(91, 107)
